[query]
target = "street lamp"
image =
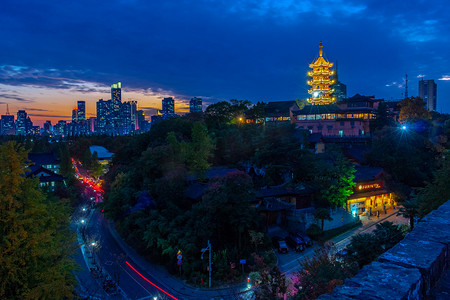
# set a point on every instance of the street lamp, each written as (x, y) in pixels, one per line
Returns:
(203, 252)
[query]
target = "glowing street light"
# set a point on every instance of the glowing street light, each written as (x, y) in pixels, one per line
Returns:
(404, 127)
(83, 221)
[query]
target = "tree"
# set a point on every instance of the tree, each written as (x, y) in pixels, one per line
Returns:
(339, 182)
(321, 273)
(96, 168)
(383, 118)
(364, 248)
(413, 109)
(199, 150)
(435, 193)
(388, 234)
(257, 238)
(257, 111)
(322, 214)
(410, 210)
(273, 284)
(36, 242)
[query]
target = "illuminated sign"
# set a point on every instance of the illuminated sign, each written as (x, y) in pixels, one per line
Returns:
(370, 186)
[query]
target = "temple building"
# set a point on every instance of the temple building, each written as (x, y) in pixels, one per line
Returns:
(370, 193)
(322, 78)
(329, 112)
(348, 118)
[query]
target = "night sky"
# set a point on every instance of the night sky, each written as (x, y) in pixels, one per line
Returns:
(53, 53)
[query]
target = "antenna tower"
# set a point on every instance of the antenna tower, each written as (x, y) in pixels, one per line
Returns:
(7, 109)
(406, 86)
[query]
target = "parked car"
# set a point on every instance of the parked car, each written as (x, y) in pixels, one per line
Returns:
(306, 239)
(280, 244)
(342, 255)
(295, 243)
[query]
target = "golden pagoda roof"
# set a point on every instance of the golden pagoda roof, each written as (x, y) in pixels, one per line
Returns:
(321, 61)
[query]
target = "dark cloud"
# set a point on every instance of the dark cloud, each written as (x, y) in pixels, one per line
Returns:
(48, 116)
(14, 97)
(35, 109)
(247, 49)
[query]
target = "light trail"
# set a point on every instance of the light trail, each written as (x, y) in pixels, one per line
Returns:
(173, 297)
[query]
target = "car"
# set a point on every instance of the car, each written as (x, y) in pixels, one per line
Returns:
(342, 255)
(280, 244)
(306, 239)
(295, 243)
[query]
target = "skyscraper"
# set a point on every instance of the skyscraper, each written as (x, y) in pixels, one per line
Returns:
(339, 89)
(75, 115)
(21, 123)
(116, 92)
(104, 115)
(168, 107)
(48, 126)
(427, 91)
(195, 105)
(116, 98)
(81, 105)
(7, 125)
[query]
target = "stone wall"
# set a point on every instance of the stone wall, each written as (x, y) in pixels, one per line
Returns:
(410, 269)
(305, 219)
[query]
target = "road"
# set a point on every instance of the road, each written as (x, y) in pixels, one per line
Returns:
(289, 263)
(100, 249)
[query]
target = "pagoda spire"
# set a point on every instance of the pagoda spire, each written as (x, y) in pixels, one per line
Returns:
(322, 79)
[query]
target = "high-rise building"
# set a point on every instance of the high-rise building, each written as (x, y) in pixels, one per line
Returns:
(7, 125)
(168, 107)
(48, 126)
(81, 105)
(339, 89)
(321, 92)
(104, 116)
(116, 92)
(21, 122)
(125, 117)
(61, 128)
(427, 91)
(75, 115)
(140, 116)
(134, 119)
(91, 123)
(195, 105)
(116, 98)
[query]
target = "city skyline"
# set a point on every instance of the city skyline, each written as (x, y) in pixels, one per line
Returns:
(214, 50)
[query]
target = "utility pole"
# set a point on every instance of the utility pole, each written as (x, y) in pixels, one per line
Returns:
(203, 252)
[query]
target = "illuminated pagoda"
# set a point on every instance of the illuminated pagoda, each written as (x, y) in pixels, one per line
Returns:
(321, 92)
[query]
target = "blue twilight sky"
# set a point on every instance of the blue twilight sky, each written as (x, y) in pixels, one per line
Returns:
(53, 53)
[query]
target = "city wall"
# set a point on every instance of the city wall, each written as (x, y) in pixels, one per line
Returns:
(410, 269)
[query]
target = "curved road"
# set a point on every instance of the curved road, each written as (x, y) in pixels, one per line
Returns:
(135, 282)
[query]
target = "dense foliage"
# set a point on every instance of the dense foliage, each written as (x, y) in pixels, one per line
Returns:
(36, 243)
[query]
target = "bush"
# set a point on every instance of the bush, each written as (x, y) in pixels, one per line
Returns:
(314, 231)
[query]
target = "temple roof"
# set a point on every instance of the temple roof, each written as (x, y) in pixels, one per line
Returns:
(278, 108)
(318, 109)
(321, 61)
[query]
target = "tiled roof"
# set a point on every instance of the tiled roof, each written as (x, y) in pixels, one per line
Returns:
(278, 108)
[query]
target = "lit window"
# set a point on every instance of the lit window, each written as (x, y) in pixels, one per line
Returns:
(341, 133)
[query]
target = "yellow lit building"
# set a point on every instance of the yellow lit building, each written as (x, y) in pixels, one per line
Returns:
(370, 193)
(321, 80)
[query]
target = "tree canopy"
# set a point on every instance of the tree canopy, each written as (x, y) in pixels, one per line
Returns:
(36, 243)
